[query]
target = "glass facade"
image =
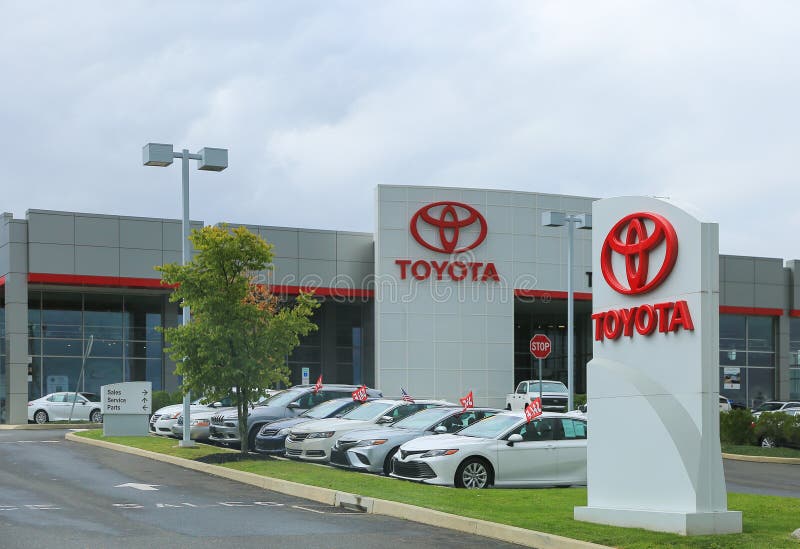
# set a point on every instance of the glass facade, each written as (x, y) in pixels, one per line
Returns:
(794, 358)
(339, 349)
(3, 370)
(747, 358)
(122, 327)
(551, 319)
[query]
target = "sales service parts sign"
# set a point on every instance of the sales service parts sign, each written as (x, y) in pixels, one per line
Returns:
(654, 456)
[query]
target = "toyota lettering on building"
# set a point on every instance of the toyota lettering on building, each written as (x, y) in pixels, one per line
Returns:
(451, 228)
(645, 233)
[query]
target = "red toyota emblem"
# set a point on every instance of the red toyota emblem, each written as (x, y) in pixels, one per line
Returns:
(636, 247)
(449, 218)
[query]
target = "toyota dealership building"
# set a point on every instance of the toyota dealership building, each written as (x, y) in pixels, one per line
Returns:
(441, 299)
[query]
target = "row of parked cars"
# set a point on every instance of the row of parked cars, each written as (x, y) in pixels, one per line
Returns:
(431, 441)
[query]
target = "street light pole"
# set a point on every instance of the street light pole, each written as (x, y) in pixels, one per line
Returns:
(583, 221)
(209, 159)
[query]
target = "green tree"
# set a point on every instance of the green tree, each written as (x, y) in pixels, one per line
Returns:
(240, 333)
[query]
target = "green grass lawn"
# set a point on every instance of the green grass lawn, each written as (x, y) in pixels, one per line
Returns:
(768, 520)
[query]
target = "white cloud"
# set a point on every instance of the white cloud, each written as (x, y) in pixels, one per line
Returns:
(320, 101)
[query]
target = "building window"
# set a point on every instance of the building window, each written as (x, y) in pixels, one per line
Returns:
(3, 370)
(794, 358)
(747, 358)
(126, 345)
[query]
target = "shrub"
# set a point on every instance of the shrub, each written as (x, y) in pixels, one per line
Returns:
(778, 427)
(736, 427)
(163, 398)
(579, 400)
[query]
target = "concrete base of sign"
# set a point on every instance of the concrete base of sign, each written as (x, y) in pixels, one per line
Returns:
(686, 524)
(126, 425)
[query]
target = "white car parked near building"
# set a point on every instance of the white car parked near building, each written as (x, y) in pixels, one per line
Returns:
(503, 450)
(58, 407)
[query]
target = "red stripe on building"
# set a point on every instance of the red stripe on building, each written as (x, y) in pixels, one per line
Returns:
(794, 312)
(326, 292)
(89, 280)
(2, 281)
(581, 296)
(133, 282)
(756, 311)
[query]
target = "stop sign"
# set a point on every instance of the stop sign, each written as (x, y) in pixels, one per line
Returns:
(541, 346)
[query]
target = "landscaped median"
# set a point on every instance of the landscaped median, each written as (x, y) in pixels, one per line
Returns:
(535, 515)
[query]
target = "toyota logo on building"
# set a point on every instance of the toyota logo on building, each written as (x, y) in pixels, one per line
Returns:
(449, 219)
(636, 246)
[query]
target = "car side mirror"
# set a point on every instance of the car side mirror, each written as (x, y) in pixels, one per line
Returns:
(440, 429)
(386, 419)
(293, 405)
(84, 403)
(516, 437)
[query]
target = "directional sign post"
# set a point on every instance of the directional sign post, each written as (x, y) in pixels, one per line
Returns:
(540, 348)
(126, 408)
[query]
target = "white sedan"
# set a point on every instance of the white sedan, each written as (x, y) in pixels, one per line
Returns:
(503, 450)
(59, 407)
(313, 440)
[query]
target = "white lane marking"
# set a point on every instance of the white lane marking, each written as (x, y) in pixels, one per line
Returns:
(307, 509)
(28, 441)
(136, 485)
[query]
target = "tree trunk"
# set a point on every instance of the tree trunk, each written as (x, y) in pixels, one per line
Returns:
(243, 407)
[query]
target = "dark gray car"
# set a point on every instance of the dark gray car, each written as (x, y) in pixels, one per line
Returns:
(371, 450)
(292, 402)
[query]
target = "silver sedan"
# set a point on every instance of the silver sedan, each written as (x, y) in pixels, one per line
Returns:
(372, 450)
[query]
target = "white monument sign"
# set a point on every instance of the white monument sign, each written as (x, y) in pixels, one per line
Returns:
(654, 457)
(132, 397)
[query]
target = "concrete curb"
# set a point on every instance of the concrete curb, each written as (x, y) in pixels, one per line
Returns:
(45, 426)
(502, 532)
(762, 459)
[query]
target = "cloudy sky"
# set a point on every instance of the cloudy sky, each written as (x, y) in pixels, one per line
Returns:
(320, 101)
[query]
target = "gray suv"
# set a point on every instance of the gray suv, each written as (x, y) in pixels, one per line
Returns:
(292, 402)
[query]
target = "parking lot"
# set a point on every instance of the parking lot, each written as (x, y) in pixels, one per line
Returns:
(55, 493)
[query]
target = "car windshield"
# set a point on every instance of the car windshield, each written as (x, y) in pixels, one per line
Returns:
(769, 406)
(491, 427)
(91, 397)
(324, 410)
(548, 387)
(368, 411)
(284, 398)
(424, 419)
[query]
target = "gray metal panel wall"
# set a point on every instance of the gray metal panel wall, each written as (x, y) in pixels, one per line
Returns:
(102, 245)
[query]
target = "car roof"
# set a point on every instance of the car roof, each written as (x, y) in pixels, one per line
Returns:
(521, 415)
(416, 401)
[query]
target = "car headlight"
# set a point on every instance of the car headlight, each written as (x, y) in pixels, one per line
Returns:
(372, 442)
(199, 423)
(437, 453)
(283, 432)
(324, 434)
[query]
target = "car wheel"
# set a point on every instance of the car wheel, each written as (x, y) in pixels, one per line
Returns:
(767, 442)
(473, 473)
(40, 417)
(251, 438)
(387, 463)
(96, 416)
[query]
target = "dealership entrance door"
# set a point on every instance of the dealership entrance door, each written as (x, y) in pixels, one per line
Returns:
(549, 316)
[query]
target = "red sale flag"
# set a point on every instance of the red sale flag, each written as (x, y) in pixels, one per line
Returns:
(360, 394)
(534, 409)
(467, 402)
(318, 384)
